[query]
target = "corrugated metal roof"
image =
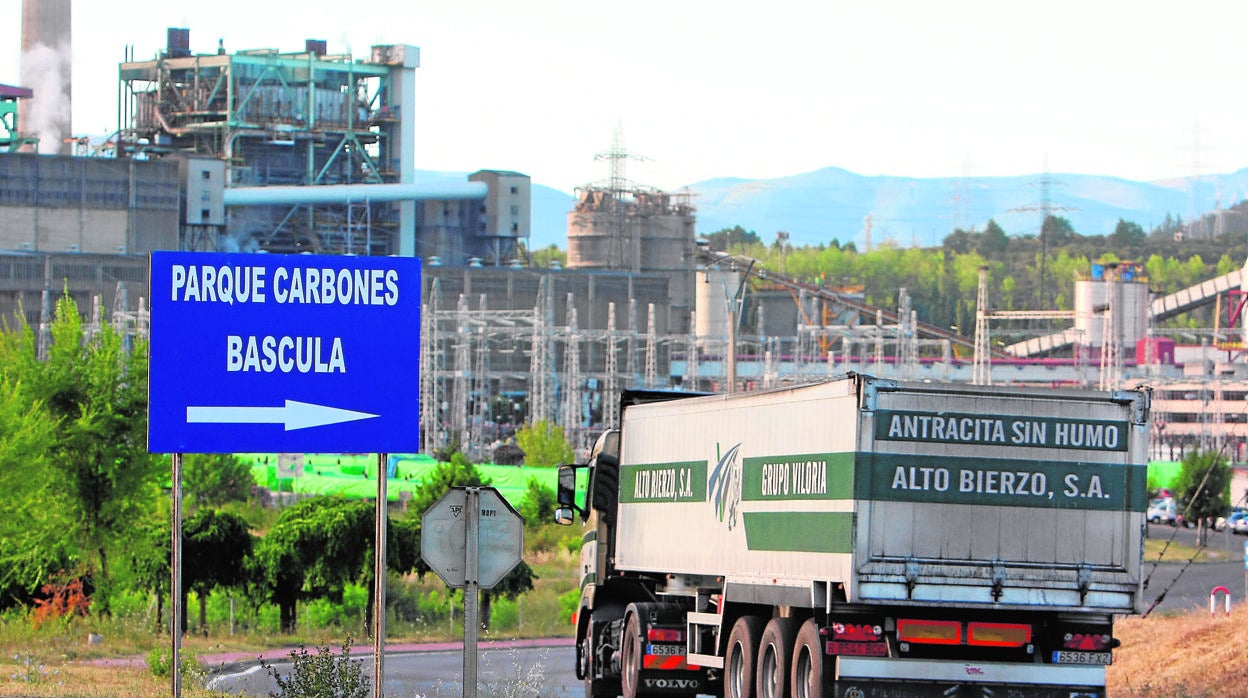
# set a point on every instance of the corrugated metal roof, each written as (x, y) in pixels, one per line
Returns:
(14, 92)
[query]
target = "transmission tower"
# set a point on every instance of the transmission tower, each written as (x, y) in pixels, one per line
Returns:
(652, 371)
(480, 388)
(429, 384)
(571, 413)
(617, 186)
(540, 362)
(691, 353)
(981, 369)
(611, 404)
(630, 345)
(1046, 209)
(462, 367)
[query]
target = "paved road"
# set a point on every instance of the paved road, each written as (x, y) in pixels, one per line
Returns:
(1195, 581)
(508, 668)
(521, 668)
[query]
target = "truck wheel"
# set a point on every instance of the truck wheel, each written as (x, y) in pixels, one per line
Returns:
(630, 657)
(807, 672)
(774, 652)
(739, 660)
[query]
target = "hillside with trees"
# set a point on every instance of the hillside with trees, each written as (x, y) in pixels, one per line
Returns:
(1029, 272)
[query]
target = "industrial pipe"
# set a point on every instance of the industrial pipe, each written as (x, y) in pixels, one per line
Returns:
(345, 193)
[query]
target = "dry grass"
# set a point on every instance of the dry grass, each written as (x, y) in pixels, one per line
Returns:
(1189, 655)
(85, 681)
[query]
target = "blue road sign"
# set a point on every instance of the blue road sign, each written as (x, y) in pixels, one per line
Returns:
(284, 353)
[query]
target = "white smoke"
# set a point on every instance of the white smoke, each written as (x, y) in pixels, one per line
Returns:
(46, 71)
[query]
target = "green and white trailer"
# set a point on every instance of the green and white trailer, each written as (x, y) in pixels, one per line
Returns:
(860, 537)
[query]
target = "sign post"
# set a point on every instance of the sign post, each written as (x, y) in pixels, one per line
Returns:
(471, 538)
(284, 354)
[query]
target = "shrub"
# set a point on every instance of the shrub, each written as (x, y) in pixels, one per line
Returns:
(325, 675)
(568, 601)
(160, 663)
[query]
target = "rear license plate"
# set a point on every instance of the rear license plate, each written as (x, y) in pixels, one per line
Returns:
(1064, 657)
(857, 649)
(665, 650)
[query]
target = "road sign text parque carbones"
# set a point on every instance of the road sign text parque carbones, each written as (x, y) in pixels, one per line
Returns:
(284, 353)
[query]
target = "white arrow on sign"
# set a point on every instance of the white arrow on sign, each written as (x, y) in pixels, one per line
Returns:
(294, 415)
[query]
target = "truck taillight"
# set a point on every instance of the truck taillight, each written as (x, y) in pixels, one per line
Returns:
(929, 632)
(998, 634)
(665, 635)
(1088, 642)
(857, 632)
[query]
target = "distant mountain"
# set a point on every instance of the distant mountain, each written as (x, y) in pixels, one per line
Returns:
(832, 203)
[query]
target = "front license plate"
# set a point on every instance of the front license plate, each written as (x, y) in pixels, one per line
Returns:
(1064, 657)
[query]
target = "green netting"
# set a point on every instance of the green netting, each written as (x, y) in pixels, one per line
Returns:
(354, 476)
(1164, 473)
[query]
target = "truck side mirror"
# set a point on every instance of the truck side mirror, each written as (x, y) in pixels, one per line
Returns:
(565, 496)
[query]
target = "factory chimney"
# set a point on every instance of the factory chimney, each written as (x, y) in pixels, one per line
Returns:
(47, 71)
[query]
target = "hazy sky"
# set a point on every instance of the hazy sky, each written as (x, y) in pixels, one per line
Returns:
(725, 88)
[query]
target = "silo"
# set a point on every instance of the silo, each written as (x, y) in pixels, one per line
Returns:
(714, 289)
(47, 70)
(1131, 304)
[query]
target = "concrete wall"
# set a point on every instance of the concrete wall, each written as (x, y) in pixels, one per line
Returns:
(100, 205)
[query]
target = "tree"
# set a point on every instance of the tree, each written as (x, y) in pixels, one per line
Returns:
(96, 394)
(149, 564)
(549, 255)
(1127, 234)
(993, 241)
(1057, 230)
(315, 548)
(1203, 489)
(723, 240)
(958, 242)
(216, 545)
(543, 443)
(538, 505)
(34, 512)
(212, 479)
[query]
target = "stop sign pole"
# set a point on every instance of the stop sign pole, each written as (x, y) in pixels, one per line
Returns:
(471, 587)
(451, 536)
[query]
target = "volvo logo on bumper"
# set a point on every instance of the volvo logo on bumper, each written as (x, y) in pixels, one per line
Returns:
(672, 683)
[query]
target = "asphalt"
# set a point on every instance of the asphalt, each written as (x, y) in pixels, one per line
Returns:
(220, 662)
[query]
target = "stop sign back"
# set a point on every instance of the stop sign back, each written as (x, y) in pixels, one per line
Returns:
(444, 531)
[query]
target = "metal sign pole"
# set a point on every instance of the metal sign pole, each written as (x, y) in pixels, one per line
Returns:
(379, 582)
(473, 509)
(175, 582)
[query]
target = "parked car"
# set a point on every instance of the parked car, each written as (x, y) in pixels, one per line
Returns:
(1163, 510)
(1237, 523)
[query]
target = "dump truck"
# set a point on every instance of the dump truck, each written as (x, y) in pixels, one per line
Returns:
(859, 537)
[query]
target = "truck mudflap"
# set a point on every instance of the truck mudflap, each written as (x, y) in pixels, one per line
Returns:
(869, 677)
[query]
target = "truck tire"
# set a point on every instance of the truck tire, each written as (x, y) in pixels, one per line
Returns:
(630, 658)
(807, 670)
(775, 651)
(739, 660)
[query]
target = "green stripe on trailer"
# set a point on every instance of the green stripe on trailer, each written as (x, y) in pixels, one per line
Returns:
(1001, 430)
(663, 482)
(809, 476)
(799, 531)
(1002, 482)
